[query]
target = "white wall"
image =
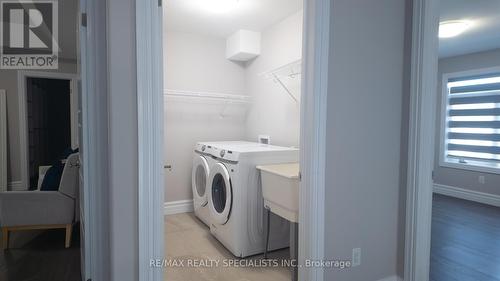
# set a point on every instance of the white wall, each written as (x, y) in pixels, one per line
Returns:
(457, 177)
(197, 63)
(273, 112)
(364, 121)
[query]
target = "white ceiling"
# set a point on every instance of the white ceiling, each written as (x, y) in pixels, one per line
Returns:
(484, 33)
(194, 16)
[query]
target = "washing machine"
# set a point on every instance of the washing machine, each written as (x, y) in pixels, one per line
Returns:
(202, 163)
(235, 201)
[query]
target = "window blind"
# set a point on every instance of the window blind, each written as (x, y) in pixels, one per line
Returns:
(473, 119)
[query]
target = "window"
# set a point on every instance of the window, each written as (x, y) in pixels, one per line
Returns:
(471, 114)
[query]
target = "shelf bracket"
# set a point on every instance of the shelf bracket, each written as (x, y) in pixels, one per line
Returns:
(277, 79)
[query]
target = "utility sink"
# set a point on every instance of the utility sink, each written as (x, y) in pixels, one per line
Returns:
(280, 189)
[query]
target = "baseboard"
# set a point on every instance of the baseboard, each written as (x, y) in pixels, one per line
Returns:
(471, 195)
(16, 186)
(177, 207)
(391, 278)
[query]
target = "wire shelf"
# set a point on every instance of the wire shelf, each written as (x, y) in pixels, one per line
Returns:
(208, 96)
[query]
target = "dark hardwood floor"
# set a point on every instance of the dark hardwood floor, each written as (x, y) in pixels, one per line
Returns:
(465, 241)
(41, 256)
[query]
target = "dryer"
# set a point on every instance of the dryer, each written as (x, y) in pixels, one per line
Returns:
(235, 199)
(199, 176)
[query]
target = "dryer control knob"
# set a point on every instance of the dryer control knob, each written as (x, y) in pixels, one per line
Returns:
(203, 148)
(222, 152)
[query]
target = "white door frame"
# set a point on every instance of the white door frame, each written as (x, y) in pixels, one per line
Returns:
(315, 53)
(94, 152)
(23, 120)
(423, 97)
(149, 37)
(313, 135)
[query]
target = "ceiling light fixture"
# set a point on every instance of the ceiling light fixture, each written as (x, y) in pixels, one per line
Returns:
(454, 28)
(217, 6)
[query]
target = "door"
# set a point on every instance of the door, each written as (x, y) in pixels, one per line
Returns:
(220, 194)
(199, 178)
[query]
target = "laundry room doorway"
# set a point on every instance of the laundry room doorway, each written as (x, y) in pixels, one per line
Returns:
(251, 89)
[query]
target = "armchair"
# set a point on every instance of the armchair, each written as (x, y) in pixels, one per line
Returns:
(29, 210)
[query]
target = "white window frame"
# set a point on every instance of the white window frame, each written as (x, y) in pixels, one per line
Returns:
(443, 161)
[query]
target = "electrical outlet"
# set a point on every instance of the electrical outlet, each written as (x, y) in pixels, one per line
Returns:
(265, 139)
(356, 257)
(481, 179)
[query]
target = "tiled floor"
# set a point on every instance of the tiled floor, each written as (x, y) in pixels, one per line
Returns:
(187, 238)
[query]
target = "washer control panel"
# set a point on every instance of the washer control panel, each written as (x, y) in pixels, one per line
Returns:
(224, 154)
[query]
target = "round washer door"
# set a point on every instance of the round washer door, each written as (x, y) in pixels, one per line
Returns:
(199, 177)
(219, 194)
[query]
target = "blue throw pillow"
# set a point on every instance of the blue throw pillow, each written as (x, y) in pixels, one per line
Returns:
(52, 177)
